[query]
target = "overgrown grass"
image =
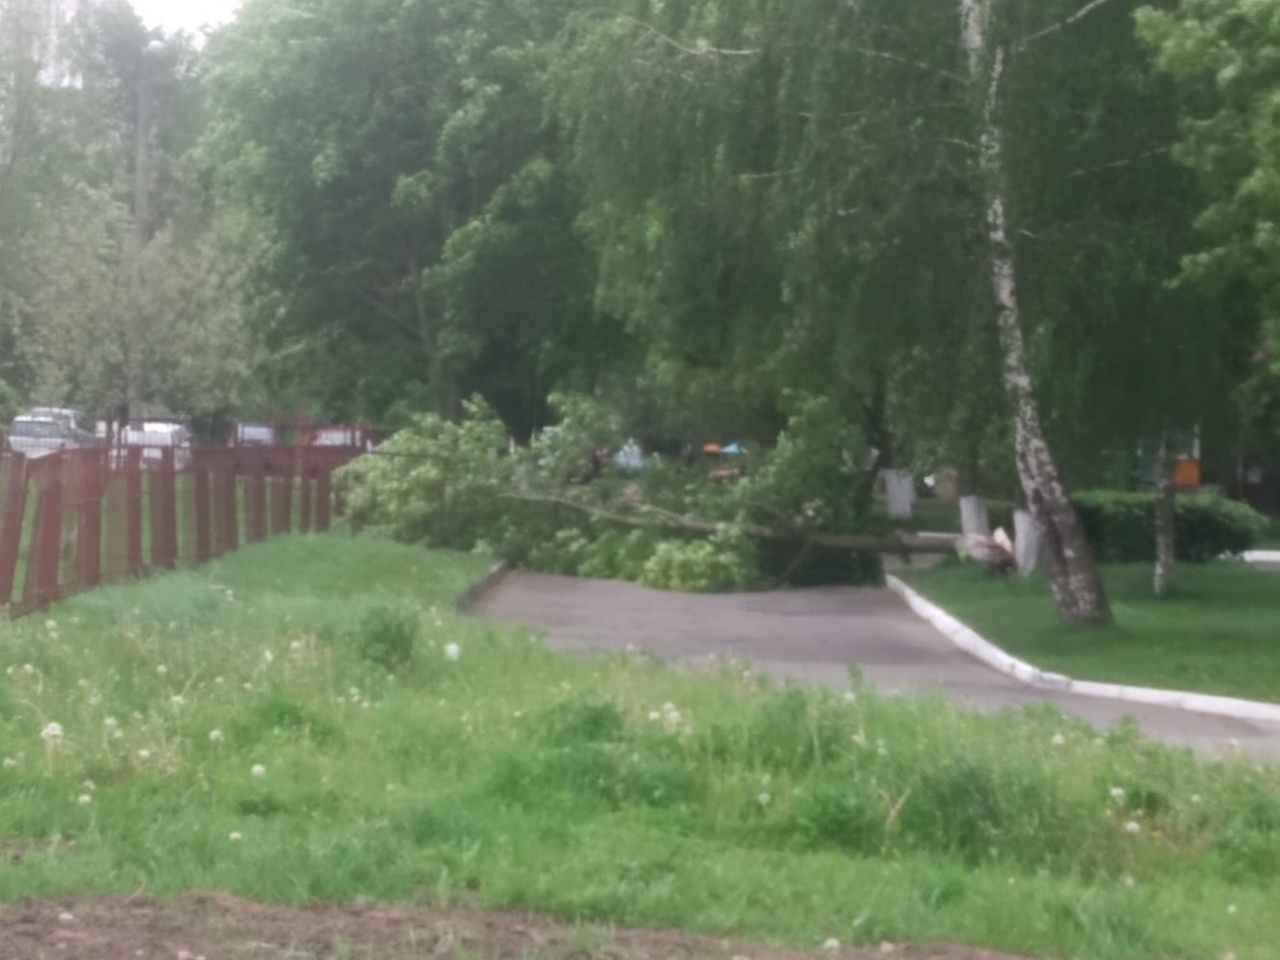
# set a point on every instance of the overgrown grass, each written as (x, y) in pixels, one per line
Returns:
(1218, 632)
(296, 722)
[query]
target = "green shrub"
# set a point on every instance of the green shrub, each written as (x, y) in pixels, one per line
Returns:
(1120, 526)
(386, 634)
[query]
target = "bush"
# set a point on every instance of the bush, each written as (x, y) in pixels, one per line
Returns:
(1120, 526)
(386, 634)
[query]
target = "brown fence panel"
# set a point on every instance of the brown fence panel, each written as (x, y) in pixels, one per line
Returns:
(228, 500)
(13, 491)
(92, 484)
(283, 466)
(306, 474)
(324, 495)
(256, 496)
(133, 512)
(41, 581)
(164, 521)
(92, 518)
(202, 505)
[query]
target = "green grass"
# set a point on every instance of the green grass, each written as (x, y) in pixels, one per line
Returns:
(1219, 631)
(602, 789)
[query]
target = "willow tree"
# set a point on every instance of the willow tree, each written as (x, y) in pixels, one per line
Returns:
(817, 192)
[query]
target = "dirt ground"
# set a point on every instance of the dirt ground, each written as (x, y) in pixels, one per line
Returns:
(214, 926)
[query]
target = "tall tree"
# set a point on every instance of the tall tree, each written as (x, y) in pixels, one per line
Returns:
(422, 232)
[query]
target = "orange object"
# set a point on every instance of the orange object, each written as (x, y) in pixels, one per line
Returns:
(1186, 472)
(711, 448)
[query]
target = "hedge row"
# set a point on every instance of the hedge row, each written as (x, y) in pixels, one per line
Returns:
(1121, 526)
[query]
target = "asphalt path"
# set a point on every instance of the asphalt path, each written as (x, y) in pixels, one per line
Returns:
(813, 635)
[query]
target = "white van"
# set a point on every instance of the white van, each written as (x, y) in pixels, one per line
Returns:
(38, 433)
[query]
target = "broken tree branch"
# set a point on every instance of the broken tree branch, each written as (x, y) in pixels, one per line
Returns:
(1076, 17)
(655, 516)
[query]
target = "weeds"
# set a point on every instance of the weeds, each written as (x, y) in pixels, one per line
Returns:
(307, 720)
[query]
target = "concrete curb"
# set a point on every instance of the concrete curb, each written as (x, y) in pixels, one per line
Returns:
(475, 593)
(974, 645)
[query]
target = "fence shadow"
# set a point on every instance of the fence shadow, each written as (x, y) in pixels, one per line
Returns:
(78, 519)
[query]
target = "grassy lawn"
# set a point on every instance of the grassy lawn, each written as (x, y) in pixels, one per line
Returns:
(309, 719)
(1218, 633)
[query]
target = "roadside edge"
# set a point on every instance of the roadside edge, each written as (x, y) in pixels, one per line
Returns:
(968, 640)
(472, 596)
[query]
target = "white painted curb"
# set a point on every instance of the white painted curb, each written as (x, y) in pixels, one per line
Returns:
(973, 644)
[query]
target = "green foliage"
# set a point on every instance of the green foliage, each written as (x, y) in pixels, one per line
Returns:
(385, 635)
(1121, 526)
(461, 485)
(436, 483)
(723, 562)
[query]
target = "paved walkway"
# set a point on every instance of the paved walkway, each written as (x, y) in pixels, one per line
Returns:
(812, 635)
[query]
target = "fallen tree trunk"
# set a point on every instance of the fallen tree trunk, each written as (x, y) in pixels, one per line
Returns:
(649, 516)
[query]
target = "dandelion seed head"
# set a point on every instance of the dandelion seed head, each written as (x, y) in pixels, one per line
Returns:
(84, 799)
(1131, 826)
(1058, 740)
(1117, 793)
(452, 651)
(234, 836)
(215, 736)
(1195, 798)
(177, 700)
(1127, 880)
(258, 770)
(144, 754)
(831, 943)
(268, 656)
(9, 763)
(1231, 908)
(296, 646)
(52, 732)
(110, 723)
(764, 799)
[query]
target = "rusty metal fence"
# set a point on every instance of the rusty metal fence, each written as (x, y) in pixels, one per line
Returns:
(79, 519)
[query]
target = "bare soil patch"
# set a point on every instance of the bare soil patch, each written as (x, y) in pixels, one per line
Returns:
(216, 926)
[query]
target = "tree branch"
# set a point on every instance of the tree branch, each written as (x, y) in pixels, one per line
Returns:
(655, 516)
(918, 64)
(1076, 17)
(1085, 171)
(701, 50)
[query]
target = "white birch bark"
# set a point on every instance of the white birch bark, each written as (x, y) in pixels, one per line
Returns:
(899, 494)
(1073, 577)
(1026, 542)
(973, 517)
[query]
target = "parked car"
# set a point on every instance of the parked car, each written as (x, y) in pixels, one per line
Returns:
(341, 437)
(39, 433)
(253, 435)
(153, 438)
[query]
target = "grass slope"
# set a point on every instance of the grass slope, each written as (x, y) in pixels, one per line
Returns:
(254, 727)
(1219, 632)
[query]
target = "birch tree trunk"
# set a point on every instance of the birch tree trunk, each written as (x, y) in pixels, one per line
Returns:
(1165, 542)
(1073, 576)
